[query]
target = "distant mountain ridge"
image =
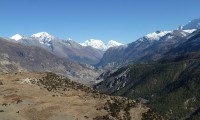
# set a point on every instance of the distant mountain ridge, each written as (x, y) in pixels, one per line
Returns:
(45, 37)
(150, 47)
(61, 48)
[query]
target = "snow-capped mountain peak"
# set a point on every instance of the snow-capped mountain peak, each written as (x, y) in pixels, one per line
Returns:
(113, 43)
(16, 37)
(98, 44)
(43, 36)
(156, 35)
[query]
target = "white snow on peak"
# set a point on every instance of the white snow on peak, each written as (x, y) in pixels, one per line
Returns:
(190, 31)
(186, 32)
(16, 37)
(156, 35)
(113, 43)
(69, 39)
(43, 36)
(98, 44)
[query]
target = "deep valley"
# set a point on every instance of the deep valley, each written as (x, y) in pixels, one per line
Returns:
(156, 77)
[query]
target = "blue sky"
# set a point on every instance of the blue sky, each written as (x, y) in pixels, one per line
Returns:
(120, 20)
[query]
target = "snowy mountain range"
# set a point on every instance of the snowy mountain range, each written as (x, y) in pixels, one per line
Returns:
(156, 35)
(98, 44)
(149, 47)
(45, 39)
(159, 34)
(186, 29)
(61, 48)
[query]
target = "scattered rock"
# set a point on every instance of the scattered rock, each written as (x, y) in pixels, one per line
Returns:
(100, 118)
(18, 101)
(1, 83)
(4, 104)
(142, 100)
(1, 110)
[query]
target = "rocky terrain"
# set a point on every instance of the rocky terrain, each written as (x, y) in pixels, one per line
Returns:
(42, 96)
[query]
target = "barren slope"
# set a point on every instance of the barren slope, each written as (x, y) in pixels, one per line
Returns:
(20, 99)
